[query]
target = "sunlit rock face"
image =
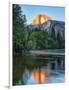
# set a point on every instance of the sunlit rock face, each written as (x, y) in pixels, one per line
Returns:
(45, 23)
(40, 19)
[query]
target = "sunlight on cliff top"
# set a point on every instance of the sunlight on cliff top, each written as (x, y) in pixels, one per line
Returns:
(40, 18)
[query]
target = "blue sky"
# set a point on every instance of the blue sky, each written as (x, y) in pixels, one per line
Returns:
(56, 13)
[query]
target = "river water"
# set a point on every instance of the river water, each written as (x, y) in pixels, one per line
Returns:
(41, 69)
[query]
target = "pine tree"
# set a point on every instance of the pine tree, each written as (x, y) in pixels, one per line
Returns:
(18, 28)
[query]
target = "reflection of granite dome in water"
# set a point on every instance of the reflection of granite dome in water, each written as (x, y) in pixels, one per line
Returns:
(40, 76)
(40, 18)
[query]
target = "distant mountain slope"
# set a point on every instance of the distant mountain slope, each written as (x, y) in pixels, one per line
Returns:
(57, 26)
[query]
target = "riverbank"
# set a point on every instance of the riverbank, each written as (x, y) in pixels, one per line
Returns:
(48, 52)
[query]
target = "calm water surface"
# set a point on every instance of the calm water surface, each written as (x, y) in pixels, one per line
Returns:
(42, 69)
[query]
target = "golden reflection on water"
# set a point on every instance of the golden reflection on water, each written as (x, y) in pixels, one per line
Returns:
(40, 76)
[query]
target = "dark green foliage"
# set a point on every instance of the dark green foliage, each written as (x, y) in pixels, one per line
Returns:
(19, 32)
(37, 40)
(41, 40)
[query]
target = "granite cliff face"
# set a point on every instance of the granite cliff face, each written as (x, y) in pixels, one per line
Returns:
(48, 26)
